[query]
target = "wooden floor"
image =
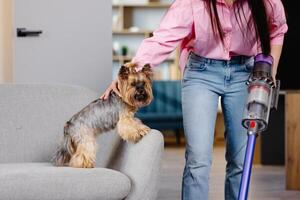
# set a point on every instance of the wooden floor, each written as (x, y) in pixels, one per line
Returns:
(267, 182)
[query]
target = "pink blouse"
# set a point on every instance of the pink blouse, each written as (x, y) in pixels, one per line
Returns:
(187, 23)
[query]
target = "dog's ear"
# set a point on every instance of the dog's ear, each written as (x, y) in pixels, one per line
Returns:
(147, 71)
(124, 72)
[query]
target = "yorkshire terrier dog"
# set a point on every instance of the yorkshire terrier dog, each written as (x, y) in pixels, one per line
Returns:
(79, 144)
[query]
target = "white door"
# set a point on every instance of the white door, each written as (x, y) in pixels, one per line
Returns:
(67, 41)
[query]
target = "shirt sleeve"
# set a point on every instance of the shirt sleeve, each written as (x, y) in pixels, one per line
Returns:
(175, 26)
(277, 21)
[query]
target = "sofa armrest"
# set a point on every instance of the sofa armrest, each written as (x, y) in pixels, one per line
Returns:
(141, 162)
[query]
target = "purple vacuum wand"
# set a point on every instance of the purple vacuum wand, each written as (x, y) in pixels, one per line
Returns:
(262, 96)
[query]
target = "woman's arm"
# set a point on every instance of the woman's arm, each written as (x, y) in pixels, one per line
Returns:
(275, 53)
(175, 26)
(278, 27)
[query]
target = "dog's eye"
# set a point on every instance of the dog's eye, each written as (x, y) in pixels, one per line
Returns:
(133, 84)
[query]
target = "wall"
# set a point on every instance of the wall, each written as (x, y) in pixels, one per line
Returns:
(96, 75)
(75, 46)
(5, 41)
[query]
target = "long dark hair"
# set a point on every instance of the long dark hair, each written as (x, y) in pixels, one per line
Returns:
(258, 17)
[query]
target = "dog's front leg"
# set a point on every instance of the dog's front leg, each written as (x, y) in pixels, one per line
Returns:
(131, 129)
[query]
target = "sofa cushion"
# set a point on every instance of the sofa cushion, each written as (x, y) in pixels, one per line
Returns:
(44, 181)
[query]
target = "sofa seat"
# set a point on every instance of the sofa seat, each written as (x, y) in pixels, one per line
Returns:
(44, 181)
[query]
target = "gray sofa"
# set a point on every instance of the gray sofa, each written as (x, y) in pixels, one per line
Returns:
(31, 124)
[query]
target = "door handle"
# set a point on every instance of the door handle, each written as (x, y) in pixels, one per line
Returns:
(23, 32)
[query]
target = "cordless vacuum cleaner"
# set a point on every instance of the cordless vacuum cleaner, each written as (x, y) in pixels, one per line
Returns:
(262, 97)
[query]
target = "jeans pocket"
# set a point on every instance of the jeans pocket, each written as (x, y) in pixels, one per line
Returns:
(196, 66)
(249, 65)
(192, 70)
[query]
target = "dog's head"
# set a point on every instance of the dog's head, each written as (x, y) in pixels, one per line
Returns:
(136, 87)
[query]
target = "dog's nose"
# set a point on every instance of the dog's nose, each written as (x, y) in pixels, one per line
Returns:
(140, 90)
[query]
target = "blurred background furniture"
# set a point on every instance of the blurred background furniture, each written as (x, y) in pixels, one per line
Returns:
(133, 21)
(292, 140)
(164, 112)
(31, 128)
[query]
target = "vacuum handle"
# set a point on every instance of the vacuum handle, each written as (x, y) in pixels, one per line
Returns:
(275, 95)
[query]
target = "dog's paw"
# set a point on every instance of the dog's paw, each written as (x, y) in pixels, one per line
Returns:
(76, 164)
(137, 138)
(144, 130)
(81, 161)
(132, 132)
(131, 137)
(141, 132)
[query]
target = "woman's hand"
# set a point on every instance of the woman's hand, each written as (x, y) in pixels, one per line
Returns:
(112, 87)
(274, 78)
(275, 53)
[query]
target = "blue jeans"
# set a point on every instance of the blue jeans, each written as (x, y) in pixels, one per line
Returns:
(204, 81)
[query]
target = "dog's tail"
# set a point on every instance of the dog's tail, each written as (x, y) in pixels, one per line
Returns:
(63, 155)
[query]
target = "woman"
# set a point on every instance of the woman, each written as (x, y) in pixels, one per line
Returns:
(218, 39)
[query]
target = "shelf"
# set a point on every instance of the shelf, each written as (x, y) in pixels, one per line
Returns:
(120, 58)
(128, 58)
(146, 17)
(148, 5)
(128, 32)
